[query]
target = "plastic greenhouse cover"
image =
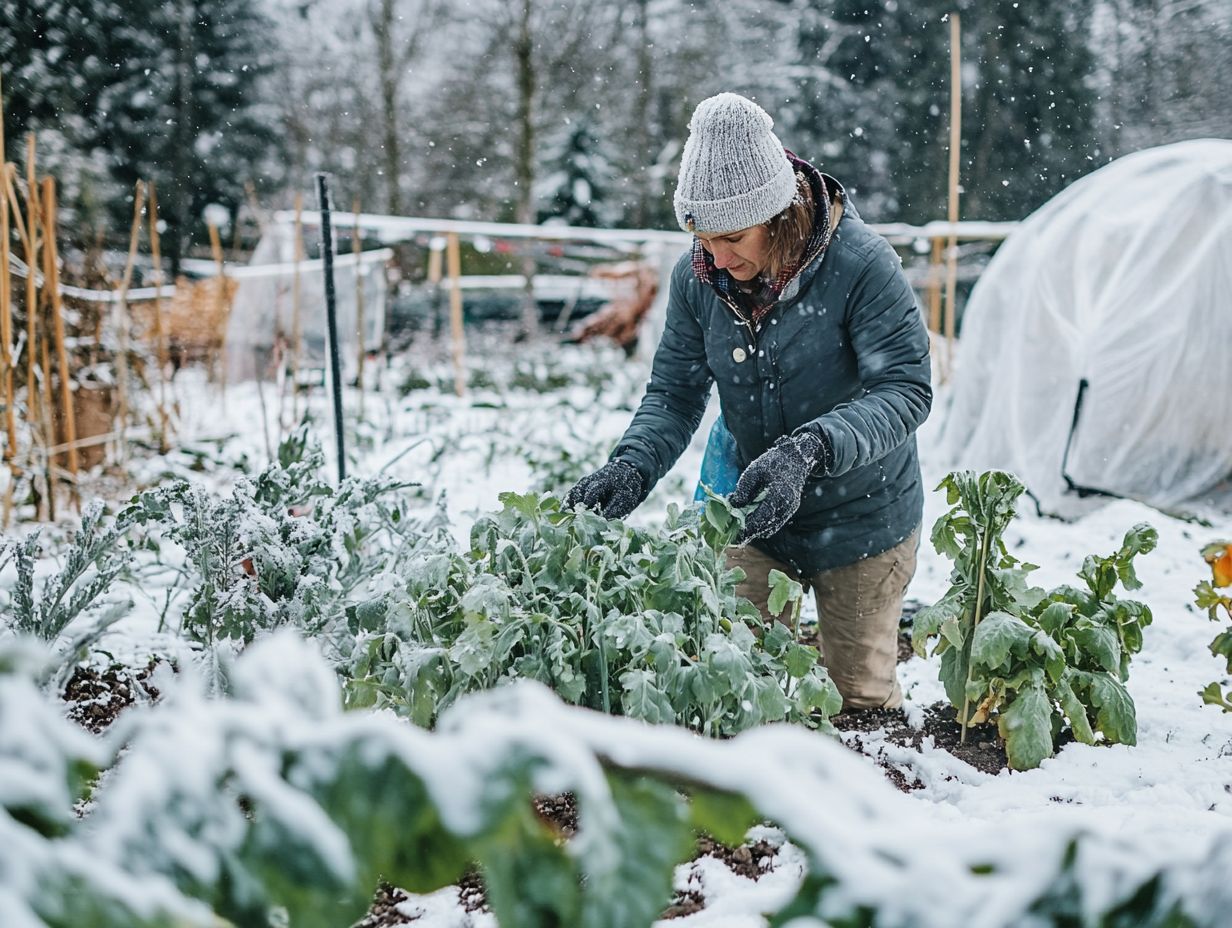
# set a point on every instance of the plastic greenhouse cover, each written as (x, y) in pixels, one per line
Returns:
(1123, 280)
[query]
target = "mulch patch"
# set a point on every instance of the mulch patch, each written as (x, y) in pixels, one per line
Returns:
(94, 699)
(751, 861)
(983, 749)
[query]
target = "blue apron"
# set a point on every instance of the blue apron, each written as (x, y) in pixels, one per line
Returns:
(720, 463)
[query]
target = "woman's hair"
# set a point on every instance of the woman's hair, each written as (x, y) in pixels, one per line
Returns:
(790, 229)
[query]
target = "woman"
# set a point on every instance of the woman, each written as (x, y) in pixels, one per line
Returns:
(802, 316)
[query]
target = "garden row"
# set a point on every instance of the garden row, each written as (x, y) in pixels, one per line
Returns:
(265, 796)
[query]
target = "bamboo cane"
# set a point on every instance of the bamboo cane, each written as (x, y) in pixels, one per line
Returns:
(220, 305)
(57, 316)
(160, 333)
(48, 404)
(934, 287)
(31, 242)
(297, 332)
(6, 318)
(951, 276)
(454, 257)
(122, 318)
(356, 250)
(6, 326)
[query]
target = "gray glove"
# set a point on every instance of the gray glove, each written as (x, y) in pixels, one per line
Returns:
(780, 472)
(615, 489)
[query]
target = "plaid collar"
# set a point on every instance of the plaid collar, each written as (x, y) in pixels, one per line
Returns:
(752, 303)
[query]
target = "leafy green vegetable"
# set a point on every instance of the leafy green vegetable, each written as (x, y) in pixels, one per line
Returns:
(1032, 660)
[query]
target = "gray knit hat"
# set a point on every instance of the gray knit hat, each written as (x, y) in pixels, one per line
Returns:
(734, 172)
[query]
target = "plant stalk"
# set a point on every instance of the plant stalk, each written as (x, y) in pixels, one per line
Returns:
(979, 603)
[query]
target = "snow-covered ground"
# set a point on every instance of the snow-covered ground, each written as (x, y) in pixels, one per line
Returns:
(1173, 790)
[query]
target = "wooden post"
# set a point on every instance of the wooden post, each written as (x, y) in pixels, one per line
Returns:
(160, 333)
(218, 362)
(122, 321)
(454, 257)
(297, 324)
(30, 240)
(6, 325)
(357, 247)
(951, 276)
(934, 286)
(6, 315)
(52, 279)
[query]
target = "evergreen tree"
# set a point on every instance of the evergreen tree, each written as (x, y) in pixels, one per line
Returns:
(187, 114)
(162, 90)
(577, 178)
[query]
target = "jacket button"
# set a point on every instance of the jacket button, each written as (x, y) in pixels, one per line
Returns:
(738, 355)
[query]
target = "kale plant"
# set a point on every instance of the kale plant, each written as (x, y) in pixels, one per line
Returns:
(644, 624)
(284, 549)
(1031, 660)
(70, 609)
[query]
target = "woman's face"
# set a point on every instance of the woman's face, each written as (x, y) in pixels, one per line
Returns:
(742, 254)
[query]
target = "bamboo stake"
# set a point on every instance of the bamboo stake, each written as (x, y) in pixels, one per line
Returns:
(6, 321)
(934, 287)
(57, 316)
(220, 301)
(30, 240)
(454, 257)
(6, 327)
(951, 276)
(356, 249)
(48, 405)
(297, 332)
(160, 333)
(122, 318)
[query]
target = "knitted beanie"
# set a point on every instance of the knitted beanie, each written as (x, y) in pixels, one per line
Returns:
(734, 172)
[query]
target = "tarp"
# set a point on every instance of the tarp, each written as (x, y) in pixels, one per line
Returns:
(1124, 281)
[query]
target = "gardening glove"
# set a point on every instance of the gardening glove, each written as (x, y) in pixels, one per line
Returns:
(780, 472)
(615, 489)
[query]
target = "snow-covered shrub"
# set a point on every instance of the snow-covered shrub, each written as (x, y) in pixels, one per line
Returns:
(1029, 659)
(70, 609)
(642, 623)
(283, 549)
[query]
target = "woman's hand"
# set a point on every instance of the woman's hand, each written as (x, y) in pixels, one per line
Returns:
(615, 489)
(780, 472)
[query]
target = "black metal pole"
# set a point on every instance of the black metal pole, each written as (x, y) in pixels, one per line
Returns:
(331, 319)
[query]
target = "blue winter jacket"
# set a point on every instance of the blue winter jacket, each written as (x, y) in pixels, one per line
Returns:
(846, 355)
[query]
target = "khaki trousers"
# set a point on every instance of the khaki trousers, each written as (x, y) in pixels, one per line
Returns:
(859, 607)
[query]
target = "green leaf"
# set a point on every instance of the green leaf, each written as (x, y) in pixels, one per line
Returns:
(1141, 539)
(726, 816)
(1046, 647)
(799, 660)
(816, 691)
(1075, 711)
(643, 699)
(1222, 647)
(1214, 696)
(651, 836)
(1054, 617)
(783, 590)
(996, 636)
(1099, 643)
(1026, 725)
(1116, 718)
